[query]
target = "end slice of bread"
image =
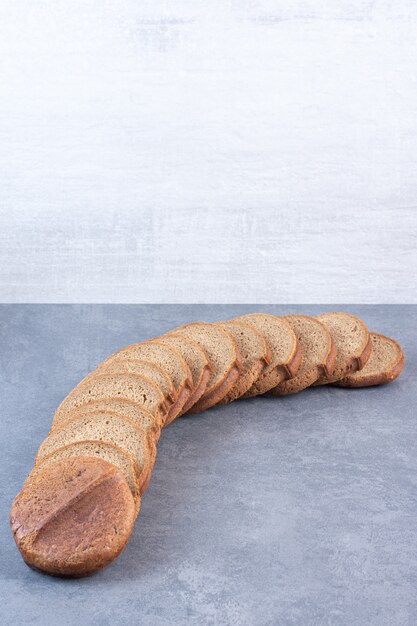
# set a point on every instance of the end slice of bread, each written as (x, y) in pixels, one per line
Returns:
(254, 353)
(352, 341)
(383, 366)
(285, 351)
(73, 518)
(318, 354)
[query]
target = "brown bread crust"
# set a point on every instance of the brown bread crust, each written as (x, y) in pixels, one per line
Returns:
(74, 518)
(198, 391)
(199, 385)
(213, 395)
(355, 363)
(276, 371)
(278, 374)
(382, 378)
(178, 407)
(248, 378)
(212, 398)
(306, 377)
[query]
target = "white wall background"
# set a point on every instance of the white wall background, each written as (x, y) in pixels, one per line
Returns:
(207, 150)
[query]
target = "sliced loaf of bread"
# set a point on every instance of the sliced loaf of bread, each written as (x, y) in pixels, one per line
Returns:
(285, 351)
(384, 365)
(113, 385)
(196, 359)
(223, 355)
(106, 451)
(318, 354)
(255, 356)
(170, 360)
(118, 406)
(352, 342)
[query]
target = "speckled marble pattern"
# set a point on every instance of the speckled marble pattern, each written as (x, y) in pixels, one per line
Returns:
(299, 510)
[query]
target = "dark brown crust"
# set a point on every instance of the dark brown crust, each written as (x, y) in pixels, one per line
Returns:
(280, 373)
(327, 368)
(354, 363)
(199, 390)
(291, 368)
(306, 378)
(244, 382)
(363, 358)
(296, 384)
(178, 406)
(272, 377)
(236, 363)
(74, 518)
(383, 378)
(218, 392)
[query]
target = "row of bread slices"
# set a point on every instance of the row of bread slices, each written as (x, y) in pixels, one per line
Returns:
(117, 411)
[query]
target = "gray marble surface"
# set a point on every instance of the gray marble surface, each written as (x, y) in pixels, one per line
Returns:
(269, 511)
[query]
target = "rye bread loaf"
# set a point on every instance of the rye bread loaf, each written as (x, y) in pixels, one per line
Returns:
(352, 342)
(170, 360)
(254, 353)
(285, 351)
(109, 428)
(114, 385)
(100, 450)
(74, 518)
(318, 354)
(118, 406)
(383, 366)
(222, 352)
(196, 359)
(150, 370)
(74, 535)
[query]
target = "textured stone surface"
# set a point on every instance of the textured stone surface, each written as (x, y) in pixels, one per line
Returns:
(204, 150)
(297, 510)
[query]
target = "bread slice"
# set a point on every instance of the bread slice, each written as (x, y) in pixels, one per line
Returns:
(143, 368)
(352, 341)
(384, 365)
(113, 385)
(196, 359)
(170, 360)
(117, 406)
(318, 354)
(224, 359)
(285, 351)
(97, 449)
(73, 518)
(254, 353)
(106, 427)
